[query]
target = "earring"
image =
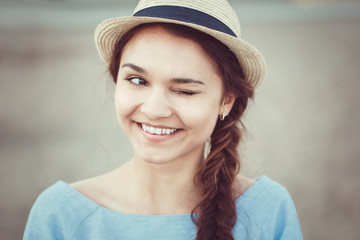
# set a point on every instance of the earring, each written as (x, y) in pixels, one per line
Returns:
(222, 117)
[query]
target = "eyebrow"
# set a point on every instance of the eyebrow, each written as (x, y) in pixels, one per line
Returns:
(186, 80)
(175, 80)
(134, 67)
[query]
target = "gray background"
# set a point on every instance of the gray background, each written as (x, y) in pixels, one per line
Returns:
(57, 119)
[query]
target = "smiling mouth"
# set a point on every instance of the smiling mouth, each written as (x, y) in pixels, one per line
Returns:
(158, 131)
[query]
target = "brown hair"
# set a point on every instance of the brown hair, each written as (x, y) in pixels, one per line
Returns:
(215, 215)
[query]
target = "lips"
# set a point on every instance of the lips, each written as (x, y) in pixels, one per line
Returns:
(158, 130)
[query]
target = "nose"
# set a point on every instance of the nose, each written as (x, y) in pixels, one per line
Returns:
(156, 105)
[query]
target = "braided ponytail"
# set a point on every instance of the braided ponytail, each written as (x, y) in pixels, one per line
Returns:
(217, 209)
(215, 215)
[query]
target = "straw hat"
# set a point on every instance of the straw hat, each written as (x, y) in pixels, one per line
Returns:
(214, 17)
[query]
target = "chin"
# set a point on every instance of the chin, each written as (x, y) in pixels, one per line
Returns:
(157, 160)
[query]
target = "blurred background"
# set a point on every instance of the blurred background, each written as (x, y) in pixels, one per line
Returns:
(57, 119)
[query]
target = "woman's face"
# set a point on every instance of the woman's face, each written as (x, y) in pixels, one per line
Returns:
(168, 96)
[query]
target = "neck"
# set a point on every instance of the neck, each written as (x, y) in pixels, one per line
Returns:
(163, 188)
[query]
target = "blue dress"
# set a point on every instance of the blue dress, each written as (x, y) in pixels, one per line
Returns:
(265, 211)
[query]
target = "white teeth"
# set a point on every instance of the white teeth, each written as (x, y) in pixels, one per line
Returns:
(158, 131)
(152, 130)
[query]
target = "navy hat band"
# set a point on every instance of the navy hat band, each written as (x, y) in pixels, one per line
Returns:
(185, 14)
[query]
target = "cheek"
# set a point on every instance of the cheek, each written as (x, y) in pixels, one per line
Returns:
(125, 104)
(201, 117)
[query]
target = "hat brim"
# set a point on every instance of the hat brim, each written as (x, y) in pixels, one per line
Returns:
(251, 61)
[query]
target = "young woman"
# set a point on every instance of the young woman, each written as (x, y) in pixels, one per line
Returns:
(183, 80)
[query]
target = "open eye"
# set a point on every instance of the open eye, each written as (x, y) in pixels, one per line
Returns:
(137, 81)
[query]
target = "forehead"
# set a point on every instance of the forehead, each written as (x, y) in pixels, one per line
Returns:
(159, 45)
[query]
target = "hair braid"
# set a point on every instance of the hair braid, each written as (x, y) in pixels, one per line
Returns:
(217, 209)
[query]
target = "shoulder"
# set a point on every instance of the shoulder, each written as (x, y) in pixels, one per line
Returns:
(57, 213)
(263, 190)
(102, 190)
(242, 184)
(269, 210)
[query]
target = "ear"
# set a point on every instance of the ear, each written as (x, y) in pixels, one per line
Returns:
(227, 104)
